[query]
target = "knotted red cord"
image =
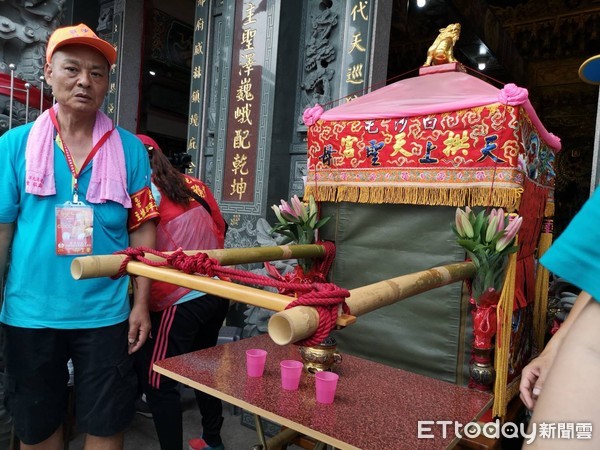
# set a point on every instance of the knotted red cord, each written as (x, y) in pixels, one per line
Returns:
(325, 297)
(137, 254)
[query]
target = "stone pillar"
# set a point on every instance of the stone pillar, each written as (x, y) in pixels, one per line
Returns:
(128, 97)
(121, 23)
(255, 68)
(344, 55)
(233, 84)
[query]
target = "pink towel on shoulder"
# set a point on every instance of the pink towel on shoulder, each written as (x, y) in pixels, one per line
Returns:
(109, 176)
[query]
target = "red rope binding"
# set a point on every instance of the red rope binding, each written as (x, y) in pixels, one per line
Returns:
(325, 297)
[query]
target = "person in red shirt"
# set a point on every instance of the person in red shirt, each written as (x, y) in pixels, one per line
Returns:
(182, 320)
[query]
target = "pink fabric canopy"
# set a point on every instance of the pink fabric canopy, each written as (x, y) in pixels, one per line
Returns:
(436, 93)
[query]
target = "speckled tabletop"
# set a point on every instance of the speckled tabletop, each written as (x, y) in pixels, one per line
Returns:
(376, 407)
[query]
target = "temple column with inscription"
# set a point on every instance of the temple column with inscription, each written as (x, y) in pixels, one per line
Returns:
(233, 85)
(255, 68)
(119, 19)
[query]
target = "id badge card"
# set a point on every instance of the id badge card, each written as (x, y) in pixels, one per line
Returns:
(74, 229)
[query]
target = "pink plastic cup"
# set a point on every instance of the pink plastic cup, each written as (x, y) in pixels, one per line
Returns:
(291, 370)
(255, 362)
(326, 384)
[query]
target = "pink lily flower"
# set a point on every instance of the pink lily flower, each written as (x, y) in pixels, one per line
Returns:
(463, 225)
(287, 209)
(509, 234)
(492, 226)
(299, 208)
(500, 215)
(277, 210)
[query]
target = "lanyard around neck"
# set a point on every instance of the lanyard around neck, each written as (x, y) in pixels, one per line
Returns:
(69, 157)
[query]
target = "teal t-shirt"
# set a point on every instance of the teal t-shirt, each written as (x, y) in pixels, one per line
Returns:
(575, 255)
(40, 291)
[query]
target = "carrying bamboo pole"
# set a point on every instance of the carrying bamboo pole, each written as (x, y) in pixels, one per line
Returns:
(285, 326)
(214, 286)
(109, 265)
(295, 324)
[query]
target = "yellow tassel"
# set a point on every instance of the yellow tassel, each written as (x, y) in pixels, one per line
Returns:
(549, 210)
(504, 322)
(542, 281)
(507, 198)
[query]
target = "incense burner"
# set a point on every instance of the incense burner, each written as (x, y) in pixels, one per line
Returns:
(320, 357)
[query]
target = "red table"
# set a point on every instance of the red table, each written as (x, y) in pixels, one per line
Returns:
(377, 407)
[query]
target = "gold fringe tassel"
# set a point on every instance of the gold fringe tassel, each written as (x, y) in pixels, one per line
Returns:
(504, 321)
(542, 281)
(507, 198)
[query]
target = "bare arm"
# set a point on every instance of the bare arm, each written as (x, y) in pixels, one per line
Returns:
(139, 319)
(534, 374)
(572, 390)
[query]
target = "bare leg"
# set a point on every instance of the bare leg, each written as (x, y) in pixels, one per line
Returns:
(571, 391)
(54, 442)
(114, 442)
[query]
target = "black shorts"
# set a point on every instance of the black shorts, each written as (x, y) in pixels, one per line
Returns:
(37, 377)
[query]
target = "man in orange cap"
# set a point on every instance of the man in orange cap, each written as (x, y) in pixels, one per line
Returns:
(72, 184)
(79, 34)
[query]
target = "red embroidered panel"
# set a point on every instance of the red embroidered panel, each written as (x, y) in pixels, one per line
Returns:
(478, 157)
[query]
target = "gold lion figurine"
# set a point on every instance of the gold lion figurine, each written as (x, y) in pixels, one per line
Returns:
(442, 49)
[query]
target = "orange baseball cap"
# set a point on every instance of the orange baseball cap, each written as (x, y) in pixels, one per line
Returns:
(83, 35)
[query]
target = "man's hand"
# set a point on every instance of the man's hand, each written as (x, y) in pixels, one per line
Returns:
(533, 377)
(535, 373)
(139, 318)
(139, 327)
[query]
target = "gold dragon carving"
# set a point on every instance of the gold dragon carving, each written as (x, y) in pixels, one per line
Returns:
(442, 49)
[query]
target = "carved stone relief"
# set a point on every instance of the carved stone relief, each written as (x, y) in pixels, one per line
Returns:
(319, 54)
(25, 27)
